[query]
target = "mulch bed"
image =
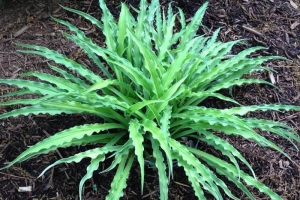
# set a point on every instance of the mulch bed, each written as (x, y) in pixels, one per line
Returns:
(274, 24)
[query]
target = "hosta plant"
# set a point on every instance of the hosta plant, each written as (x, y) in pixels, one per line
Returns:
(149, 100)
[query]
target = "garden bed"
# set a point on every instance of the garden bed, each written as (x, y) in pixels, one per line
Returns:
(274, 25)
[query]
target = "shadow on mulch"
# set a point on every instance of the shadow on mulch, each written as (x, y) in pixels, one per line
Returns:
(273, 24)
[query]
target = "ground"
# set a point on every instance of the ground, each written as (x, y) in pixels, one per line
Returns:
(270, 23)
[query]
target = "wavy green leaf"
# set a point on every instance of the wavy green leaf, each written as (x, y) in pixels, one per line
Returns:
(61, 83)
(221, 165)
(161, 168)
(137, 140)
(156, 134)
(62, 139)
(208, 180)
(263, 107)
(61, 59)
(33, 86)
(119, 182)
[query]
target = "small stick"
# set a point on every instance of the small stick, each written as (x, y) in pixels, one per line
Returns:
(252, 30)
(57, 151)
(21, 31)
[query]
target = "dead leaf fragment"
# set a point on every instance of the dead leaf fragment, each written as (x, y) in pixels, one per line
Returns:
(294, 25)
(25, 189)
(280, 164)
(272, 78)
(286, 163)
(293, 4)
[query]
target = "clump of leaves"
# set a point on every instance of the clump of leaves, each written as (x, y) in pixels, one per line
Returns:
(149, 98)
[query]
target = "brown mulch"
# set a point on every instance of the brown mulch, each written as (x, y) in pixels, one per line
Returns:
(274, 24)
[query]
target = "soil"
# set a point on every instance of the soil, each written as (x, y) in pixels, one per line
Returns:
(274, 24)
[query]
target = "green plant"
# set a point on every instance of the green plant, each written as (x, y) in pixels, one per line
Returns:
(149, 98)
